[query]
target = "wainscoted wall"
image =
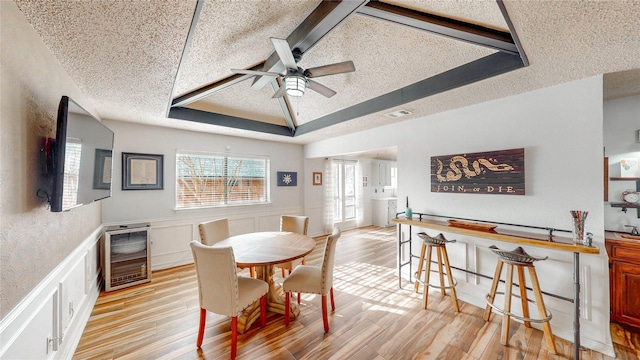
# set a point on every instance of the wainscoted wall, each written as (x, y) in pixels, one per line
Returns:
(33, 240)
(170, 238)
(561, 130)
(48, 322)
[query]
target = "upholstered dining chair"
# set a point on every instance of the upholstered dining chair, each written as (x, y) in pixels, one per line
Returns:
(222, 291)
(296, 224)
(213, 231)
(216, 230)
(314, 280)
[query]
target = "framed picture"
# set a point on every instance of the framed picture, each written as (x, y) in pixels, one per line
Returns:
(102, 169)
(498, 172)
(287, 178)
(317, 178)
(142, 171)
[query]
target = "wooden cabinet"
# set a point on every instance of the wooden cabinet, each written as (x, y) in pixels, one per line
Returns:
(624, 279)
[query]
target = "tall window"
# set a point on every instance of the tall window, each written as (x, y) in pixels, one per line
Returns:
(344, 193)
(209, 179)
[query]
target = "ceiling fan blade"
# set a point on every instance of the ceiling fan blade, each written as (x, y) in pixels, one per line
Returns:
(337, 68)
(280, 92)
(254, 72)
(320, 89)
(284, 53)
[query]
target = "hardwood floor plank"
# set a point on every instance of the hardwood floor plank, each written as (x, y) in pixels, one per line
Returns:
(373, 320)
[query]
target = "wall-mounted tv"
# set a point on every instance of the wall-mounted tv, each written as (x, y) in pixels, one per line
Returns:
(82, 158)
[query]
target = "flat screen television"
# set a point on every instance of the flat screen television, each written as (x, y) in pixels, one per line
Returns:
(82, 158)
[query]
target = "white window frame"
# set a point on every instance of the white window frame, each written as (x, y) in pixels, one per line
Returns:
(225, 180)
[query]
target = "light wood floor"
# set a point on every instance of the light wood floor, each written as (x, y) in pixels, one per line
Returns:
(373, 320)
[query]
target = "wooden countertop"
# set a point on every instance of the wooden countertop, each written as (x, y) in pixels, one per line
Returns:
(618, 237)
(561, 243)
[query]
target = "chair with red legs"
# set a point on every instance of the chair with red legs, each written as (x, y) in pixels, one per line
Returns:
(297, 224)
(222, 291)
(314, 280)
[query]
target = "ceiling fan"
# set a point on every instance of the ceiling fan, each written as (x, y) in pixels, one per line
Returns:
(295, 79)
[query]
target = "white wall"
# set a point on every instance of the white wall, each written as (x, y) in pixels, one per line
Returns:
(314, 197)
(42, 254)
(172, 230)
(621, 125)
(561, 130)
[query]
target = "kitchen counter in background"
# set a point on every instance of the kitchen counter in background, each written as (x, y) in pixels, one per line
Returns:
(384, 209)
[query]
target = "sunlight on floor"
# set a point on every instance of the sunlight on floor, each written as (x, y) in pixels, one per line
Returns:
(376, 285)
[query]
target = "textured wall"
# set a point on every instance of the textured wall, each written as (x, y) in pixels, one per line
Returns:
(33, 241)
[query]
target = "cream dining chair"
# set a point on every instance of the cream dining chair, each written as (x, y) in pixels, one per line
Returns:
(222, 291)
(314, 280)
(216, 230)
(213, 231)
(296, 224)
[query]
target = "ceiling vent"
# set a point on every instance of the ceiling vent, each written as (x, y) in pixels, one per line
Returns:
(397, 114)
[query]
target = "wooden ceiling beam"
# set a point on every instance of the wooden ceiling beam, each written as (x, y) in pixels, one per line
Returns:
(210, 118)
(440, 25)
(469, 73)
(209, 89)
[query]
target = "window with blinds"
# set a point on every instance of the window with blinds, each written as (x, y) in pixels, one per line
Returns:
(210, 179)
(73, 156)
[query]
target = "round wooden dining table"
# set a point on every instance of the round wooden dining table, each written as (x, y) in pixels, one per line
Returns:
(263, 250)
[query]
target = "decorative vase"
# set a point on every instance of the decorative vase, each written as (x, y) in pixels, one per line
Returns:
(408, 213)
(579, 218)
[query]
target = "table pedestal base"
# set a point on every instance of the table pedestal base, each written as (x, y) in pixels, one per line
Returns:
(275, 301)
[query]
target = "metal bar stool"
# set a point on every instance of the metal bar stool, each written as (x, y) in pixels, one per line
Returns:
(438, 242)
(520, 259)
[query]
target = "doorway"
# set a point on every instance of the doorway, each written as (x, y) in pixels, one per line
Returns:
(344, 193)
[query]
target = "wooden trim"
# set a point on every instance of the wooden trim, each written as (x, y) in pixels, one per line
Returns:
(620, 178)
(606, 179)
(512, 236)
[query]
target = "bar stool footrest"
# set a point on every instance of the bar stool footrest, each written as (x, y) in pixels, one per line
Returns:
(548, 315)
(451, 286)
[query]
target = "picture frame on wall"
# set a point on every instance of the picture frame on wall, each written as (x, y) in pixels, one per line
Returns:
(142, 171)
(287, 178)
(102, 169)
(317, 178)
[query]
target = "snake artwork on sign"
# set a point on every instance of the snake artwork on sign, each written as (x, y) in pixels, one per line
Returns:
(459, 165)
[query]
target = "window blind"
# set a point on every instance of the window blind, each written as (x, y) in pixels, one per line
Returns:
(73, 157)
(210, 179)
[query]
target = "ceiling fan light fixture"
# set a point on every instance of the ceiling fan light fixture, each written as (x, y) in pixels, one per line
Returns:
(295, 85)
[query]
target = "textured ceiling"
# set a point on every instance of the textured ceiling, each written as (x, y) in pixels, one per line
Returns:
(127, 56)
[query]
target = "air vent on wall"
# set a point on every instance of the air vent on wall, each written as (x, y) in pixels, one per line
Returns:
(397, 114)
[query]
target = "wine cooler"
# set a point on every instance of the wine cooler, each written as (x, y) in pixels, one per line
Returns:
(127, 256)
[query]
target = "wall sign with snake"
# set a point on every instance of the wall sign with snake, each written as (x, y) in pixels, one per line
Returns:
(494, 172)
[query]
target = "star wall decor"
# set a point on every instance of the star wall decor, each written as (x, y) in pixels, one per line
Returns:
(287, 178)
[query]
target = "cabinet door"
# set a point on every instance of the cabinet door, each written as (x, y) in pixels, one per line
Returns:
(382, 174)
(625, 289)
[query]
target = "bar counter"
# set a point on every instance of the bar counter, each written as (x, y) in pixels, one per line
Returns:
(507, 235)
(528, 238)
